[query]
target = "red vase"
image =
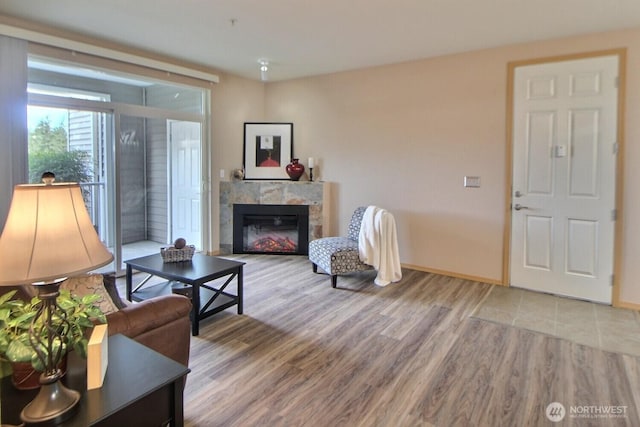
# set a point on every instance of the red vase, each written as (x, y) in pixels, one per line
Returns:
(295, 170)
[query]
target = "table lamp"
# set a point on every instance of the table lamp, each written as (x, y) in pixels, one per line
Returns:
(48, 237)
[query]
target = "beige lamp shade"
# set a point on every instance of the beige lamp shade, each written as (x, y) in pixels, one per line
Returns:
(48, 236)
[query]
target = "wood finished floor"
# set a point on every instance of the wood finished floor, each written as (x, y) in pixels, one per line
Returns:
(408, 354)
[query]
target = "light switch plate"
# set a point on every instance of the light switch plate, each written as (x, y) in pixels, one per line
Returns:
(561, 151)
(472, 181)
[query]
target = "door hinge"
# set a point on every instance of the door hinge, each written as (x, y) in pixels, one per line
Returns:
(616, 82)
(614, 214)
(616, 147)
(612, 279)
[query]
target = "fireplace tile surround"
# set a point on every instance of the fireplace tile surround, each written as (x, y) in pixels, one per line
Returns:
(314, 194)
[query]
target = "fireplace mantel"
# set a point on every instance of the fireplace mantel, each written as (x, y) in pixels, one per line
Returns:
(314, 194)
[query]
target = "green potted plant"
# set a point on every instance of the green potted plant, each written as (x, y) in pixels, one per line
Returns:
(16, 316)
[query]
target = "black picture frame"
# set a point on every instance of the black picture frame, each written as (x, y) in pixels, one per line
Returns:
(268, 148)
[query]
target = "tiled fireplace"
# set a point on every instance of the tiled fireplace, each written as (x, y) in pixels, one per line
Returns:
(304, 197)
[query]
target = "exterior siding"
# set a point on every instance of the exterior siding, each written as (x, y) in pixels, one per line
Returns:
(157, 181)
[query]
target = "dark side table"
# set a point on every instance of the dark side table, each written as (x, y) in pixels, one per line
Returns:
(195, 279)
(141, 388)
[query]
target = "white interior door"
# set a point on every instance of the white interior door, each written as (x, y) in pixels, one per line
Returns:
(185, 142)
(564, 161)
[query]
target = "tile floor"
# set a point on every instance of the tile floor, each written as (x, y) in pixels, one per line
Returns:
(596, 325)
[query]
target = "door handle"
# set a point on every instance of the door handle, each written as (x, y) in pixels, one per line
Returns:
(518, 207)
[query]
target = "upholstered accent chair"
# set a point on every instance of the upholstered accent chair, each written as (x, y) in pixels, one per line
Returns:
(339, 255)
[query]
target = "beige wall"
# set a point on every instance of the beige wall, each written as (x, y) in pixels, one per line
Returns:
(404, 136)
(234, 100)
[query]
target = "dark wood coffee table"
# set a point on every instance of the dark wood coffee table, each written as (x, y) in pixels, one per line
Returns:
(195, 279)
(141, 388)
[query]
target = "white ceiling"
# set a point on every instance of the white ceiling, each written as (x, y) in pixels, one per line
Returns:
(304, 37)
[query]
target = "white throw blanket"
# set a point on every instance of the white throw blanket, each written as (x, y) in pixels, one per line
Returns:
(378, 245)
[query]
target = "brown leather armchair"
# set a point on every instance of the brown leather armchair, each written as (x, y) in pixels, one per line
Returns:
(160, 323)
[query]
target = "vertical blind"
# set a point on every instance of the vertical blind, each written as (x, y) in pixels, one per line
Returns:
(13, 119)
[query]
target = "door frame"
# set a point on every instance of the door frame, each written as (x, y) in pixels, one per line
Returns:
(621, 53)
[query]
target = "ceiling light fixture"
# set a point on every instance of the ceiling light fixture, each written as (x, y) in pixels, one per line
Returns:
(264, 67)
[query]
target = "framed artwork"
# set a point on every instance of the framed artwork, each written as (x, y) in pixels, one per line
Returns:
(268, 148)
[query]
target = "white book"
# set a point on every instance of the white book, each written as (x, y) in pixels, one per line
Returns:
(97, 356)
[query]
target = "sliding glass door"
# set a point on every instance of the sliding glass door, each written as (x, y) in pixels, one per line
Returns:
(154, 172)
(135, 146)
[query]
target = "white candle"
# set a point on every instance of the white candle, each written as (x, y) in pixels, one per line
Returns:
(310, 163)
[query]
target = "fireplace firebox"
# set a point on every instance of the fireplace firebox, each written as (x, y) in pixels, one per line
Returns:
(271, 229)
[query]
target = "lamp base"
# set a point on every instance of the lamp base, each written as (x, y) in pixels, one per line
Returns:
(54, 404)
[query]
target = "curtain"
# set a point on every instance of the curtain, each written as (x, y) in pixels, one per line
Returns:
(13, 119)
